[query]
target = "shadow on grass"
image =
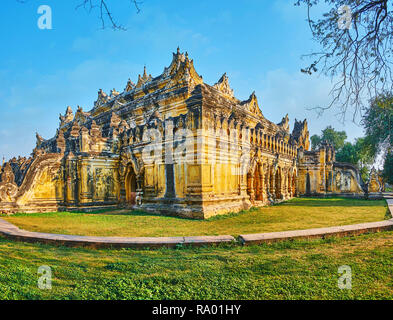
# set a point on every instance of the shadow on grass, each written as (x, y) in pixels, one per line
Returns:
(295, 202)
(130, 212)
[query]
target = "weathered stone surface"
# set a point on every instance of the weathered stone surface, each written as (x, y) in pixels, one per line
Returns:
(175, 145)
(375, 185)
(317, 233)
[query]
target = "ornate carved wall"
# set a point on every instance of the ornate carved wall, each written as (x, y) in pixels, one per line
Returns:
(171, 145)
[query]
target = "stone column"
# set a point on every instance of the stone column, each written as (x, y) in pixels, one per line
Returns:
(272, 182)
(261, 183)
(139, 190)
(290, 189)
(251, 187)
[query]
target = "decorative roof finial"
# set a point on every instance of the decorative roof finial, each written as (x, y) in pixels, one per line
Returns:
(223, 85)
(114, 93)
(130, 85)
(68, 110)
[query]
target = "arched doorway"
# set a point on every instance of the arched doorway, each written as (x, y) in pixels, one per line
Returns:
(130, 185)
(308, 184)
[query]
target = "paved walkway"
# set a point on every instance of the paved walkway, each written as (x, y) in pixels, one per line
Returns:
(13, 232)
(339, 231)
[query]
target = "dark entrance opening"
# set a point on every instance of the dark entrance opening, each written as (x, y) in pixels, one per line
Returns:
(308, 185)
(278, 184)
(131, 186)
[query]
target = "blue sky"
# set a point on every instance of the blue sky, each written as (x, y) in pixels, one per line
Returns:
(259, 44)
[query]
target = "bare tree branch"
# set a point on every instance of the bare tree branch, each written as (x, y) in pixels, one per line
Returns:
(105, 13)
(359, 59)
(103, 7)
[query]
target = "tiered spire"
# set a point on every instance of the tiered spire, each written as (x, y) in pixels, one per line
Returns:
(144, 79)
(182, 71)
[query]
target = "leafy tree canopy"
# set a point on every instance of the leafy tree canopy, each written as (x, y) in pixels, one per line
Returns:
(329, 134)
(359, 154)
(348, 153)
(388, 168)
(378, 123)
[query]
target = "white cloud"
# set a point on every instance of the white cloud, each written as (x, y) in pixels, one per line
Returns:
(30, 106)
(36, 106)
(295, 93)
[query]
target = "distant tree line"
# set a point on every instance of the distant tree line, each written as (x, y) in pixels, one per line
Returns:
(378, 139)
(358, 153)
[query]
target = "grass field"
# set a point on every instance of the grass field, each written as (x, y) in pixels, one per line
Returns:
(300, 213)
(286, 270)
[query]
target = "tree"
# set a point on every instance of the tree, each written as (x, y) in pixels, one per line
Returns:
(315, 141)
(329, 134)
(365, 152)
(356, 38)
(388, 168)
(378, 123)
(348, 154)
(359, 154)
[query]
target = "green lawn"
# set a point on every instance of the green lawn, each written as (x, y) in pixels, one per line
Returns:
(287, 270)
(300, 213)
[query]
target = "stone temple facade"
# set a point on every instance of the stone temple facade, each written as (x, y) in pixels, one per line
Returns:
(173, 145)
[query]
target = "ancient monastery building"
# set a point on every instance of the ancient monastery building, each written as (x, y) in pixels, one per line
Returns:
(173, 145)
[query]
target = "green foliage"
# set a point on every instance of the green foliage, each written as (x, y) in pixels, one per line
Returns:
(329, 134)
(378, 122)
(388, 168)
(297, 269)
(348, 153)
(360, 154)
(336, 138)
(315, 141)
